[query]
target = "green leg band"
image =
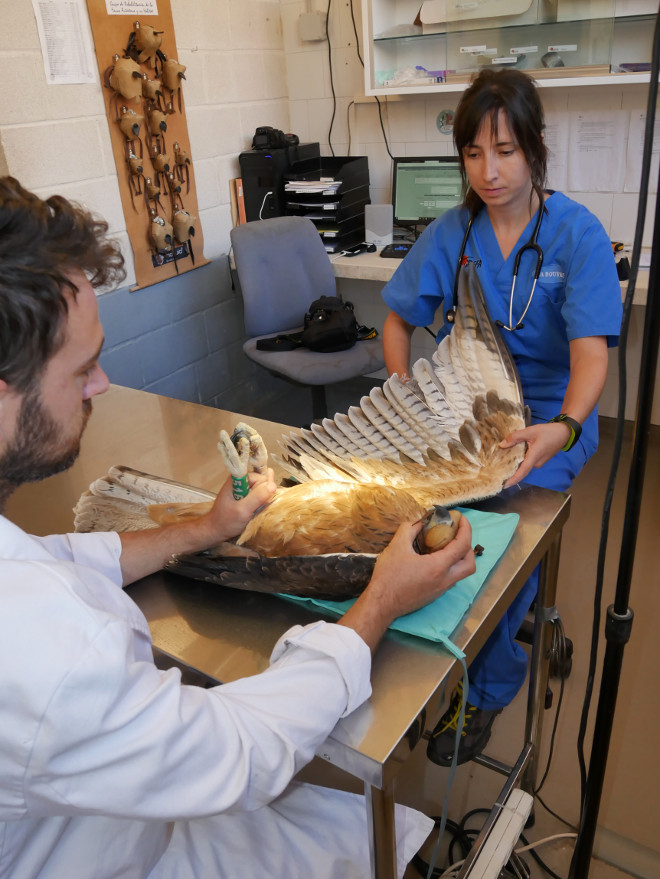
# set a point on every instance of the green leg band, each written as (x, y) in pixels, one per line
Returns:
(240, 486)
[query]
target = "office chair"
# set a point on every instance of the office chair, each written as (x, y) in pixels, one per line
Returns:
(282, 267)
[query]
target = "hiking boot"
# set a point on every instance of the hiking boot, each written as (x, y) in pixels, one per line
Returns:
(474, 736)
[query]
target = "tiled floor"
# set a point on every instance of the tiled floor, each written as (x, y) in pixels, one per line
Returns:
(628, 805)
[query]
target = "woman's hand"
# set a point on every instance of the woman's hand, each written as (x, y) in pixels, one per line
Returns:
(543, 442)
(588, 373)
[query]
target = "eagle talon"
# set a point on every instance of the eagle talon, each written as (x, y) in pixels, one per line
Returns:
(258, 454)
(235, 454)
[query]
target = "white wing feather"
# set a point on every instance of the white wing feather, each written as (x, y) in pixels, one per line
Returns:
(444, 426)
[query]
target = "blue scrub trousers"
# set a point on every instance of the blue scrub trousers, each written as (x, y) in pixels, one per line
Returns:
(499, 669)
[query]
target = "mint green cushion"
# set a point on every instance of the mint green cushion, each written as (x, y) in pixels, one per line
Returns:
(437, 620)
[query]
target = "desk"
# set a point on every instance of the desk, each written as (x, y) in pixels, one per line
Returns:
(226, 634)
(373, 267)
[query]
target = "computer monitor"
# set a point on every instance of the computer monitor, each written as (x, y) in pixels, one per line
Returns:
(424, 188)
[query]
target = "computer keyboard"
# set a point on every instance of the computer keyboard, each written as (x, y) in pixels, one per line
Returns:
(397, 250)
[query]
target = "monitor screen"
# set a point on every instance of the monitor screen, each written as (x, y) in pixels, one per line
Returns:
(423, 189)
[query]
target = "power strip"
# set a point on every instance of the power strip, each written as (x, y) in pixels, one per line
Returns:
(504, 834)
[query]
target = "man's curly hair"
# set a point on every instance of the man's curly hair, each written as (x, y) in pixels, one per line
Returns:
(41, 243)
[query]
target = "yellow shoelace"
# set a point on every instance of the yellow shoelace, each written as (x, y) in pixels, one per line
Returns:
(452, 722)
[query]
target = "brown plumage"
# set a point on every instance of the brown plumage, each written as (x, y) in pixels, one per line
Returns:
(434, 440)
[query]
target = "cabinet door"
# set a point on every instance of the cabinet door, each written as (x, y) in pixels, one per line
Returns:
(416, 46)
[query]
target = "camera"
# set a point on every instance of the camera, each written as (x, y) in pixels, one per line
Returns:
(268, 138)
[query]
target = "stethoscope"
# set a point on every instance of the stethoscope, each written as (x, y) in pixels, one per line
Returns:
(532, 244)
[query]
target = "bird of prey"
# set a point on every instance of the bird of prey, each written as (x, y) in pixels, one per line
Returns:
(405, 449)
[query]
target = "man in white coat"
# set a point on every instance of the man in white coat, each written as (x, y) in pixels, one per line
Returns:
(110, 767)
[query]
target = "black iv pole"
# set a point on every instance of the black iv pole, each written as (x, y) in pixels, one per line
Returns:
(618, 623)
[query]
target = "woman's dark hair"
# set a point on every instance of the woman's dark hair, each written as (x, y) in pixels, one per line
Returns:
(516, 95)
(41, 243)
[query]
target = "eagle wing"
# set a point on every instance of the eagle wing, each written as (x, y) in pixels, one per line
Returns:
(436, 436)
(406, 447)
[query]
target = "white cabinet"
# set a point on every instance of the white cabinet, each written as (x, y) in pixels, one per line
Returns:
(420, 46)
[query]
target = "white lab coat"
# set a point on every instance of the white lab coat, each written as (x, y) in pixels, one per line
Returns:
(110, 767)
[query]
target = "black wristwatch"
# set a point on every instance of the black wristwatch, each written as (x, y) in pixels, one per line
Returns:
(574, 426)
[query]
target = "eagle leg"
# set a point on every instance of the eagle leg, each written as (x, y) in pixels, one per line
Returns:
(243, 451)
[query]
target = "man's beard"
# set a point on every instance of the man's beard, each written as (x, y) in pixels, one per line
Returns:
(38, 449)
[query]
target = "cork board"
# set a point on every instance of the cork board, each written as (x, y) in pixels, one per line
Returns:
(143, 88)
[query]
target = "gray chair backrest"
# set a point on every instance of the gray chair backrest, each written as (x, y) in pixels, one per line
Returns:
(283, 267)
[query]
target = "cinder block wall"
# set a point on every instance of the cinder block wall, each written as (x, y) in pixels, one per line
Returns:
(181, 338)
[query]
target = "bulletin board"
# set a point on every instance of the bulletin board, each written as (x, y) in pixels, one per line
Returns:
(143, 88)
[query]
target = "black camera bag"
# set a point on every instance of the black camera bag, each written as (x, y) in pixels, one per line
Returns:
(330, 325)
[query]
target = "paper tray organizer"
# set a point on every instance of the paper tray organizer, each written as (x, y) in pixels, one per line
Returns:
(332, 192)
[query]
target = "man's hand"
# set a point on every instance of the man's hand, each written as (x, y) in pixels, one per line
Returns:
(144, 552)
(404, 581)
(228, 517)
(543, 442)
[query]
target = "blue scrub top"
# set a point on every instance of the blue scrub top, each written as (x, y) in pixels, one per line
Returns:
(578, 293)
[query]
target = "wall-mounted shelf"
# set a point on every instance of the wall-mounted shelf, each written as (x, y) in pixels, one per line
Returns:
(409, 50)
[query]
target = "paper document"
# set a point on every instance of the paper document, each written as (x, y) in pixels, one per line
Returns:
(312, 186)
(66, 41)
(596, 151)
(556, 140)
(635, 150)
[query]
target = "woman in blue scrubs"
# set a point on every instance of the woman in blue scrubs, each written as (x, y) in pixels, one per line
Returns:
(558, 339)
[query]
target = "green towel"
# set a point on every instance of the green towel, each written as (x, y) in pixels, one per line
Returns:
(437, 620)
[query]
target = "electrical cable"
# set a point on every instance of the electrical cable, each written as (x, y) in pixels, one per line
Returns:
(552, 739)
(454, 762)
(357, 38)
(382, 128)
(332, 82)
(348, 125)
(554, 814)
(539, 860)
(620, 418)
(357, 49)
(423, 866)
(270, 192)
(380, 111)
(464, 837)
(475, 833)
(531, 845)
(558, 651)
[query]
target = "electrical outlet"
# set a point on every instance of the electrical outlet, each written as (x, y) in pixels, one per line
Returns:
(503, 836)
(312, 27)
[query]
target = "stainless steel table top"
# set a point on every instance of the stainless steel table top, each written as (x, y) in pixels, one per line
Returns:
(227, 634)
